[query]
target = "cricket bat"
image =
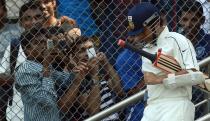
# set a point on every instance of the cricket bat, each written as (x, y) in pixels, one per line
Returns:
(164, 62)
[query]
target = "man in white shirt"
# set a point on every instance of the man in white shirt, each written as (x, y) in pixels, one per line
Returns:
(30, 15)
(169, 95)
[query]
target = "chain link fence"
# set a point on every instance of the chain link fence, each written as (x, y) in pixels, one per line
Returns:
(60, 59)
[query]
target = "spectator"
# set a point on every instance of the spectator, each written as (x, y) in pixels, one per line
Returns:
(128, 66)
(37, 92)
(35, 80)
(7, 33)
(30, 15)
(190, 23)
(81, 12)
(95, 93)
(48, 7)
(27, 21)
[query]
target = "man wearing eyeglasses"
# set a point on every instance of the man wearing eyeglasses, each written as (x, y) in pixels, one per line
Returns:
(169, 95)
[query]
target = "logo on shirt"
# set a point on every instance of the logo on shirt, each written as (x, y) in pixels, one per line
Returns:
(200, 51)
(130, 23)
(184, 50)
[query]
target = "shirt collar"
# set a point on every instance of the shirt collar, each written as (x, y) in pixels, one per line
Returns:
(163, 34)
(160, 37)
(36, 64)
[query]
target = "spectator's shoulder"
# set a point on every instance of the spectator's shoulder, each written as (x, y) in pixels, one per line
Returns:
(11, 31)
(30, 67)
(207, 37)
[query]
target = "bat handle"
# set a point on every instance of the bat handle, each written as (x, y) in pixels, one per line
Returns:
(157, 56)
(147, 55)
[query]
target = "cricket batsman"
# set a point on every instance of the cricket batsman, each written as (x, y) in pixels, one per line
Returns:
(169, 94)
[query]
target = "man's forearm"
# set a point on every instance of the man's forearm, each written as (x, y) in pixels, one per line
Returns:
(192, 78)
(115, 80)
(65, 102)
(94, 99)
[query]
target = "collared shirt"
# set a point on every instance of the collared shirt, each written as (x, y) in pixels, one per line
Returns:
(179, 47)
(37, 92)
(202, 45)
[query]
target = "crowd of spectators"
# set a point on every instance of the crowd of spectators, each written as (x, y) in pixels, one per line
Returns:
(61, 61)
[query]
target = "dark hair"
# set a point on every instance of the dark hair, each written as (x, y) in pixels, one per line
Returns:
(28, 36)
(3, 3)
(27, 6)
(55, 30)
(193, 6)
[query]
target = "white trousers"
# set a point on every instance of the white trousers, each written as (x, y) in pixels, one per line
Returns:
(170, 110)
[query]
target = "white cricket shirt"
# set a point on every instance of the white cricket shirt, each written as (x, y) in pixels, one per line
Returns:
(176, 45)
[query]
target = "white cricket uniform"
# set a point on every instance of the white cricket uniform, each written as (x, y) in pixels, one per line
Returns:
(167, 104)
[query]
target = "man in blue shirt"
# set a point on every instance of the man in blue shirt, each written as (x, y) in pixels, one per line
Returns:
(128, 65)
(191, 20)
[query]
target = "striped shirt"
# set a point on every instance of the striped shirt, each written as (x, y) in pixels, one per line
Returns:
(37, 92)
(107, 98)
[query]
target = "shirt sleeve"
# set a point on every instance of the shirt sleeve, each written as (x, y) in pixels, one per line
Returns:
(5, 62)
(63, 78)
(63, 81)
(35, 88)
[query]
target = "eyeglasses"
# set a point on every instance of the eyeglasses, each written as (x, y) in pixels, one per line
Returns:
(151, 20)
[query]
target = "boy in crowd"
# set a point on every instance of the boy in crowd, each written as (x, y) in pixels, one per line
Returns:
(190, 23)
(36, 79)
(95, 93)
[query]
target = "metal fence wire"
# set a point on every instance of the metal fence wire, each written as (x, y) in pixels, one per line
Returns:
(60, 60)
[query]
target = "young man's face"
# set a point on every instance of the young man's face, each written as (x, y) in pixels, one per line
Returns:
(37, 47)
(32, 17)
(48, 7)
(191, 23)
(81, 51)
